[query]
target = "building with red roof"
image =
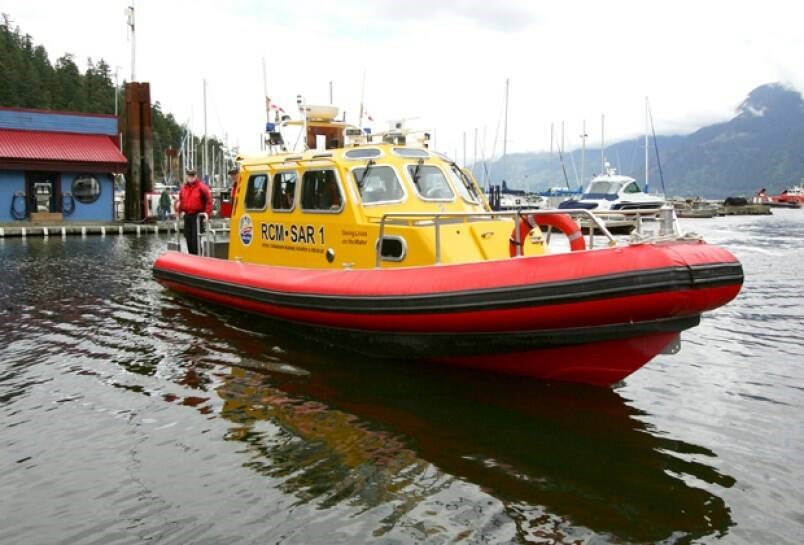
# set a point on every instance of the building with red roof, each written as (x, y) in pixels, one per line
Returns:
(58, 165)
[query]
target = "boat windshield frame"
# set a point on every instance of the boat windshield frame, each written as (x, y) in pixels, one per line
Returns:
(353, 175)
(420, 164)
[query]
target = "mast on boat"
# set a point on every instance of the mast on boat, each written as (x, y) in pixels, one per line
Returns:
(603, 143)
(505, 121)
(583, 151)
(647, 129)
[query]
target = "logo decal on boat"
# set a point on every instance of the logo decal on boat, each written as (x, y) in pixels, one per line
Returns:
(246, 229)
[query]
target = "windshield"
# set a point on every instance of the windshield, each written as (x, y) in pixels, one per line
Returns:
(466, 188)
(430, 182)
(379, 184)
(603, 188)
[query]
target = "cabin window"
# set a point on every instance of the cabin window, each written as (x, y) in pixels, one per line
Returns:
(86, 188)
(411, 152)
(378, 184)
(283, 195)
(430, 182)
(466, 189)
(632, 188)
(321, 192)
(363, 153)
(393, 248)
(256, 192)
(603, 187)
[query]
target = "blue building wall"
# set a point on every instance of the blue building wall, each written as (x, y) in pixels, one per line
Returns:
(100, 210)
(11, 181)
(57, 122)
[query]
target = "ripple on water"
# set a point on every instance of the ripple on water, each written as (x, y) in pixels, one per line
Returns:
(173, 421)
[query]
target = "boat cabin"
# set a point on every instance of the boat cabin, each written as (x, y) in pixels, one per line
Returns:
(329, 206)
(612, 191)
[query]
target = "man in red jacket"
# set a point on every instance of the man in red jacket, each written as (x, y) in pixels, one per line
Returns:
(194, 198)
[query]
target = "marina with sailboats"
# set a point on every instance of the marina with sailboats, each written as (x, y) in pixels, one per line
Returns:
(353, 273)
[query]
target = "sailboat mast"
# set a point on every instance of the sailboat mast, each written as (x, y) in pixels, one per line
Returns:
(647, 129)
(205, 164)
(552, 130)
(602, 143)
(505, 123)
(583, 151)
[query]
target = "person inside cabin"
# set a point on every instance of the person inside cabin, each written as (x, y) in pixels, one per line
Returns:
(194, 199)
(330, 196)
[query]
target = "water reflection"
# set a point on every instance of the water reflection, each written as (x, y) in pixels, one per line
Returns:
(349, 441)
(342, 429)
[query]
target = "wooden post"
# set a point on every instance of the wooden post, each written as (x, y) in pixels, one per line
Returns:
(139, 149)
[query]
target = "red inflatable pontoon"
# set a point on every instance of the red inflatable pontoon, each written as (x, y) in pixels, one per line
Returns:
(589, 316)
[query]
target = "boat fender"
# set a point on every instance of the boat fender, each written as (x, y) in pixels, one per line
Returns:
(67, 204)
(18, 212)
(562, 222)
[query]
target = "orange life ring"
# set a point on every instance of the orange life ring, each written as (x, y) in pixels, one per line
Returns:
(562, 222)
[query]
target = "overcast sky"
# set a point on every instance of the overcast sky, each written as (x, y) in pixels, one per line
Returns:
(443, 62)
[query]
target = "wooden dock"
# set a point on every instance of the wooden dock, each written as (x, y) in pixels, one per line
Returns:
(83, 229)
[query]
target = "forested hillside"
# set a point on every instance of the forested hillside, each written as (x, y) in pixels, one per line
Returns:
(28, 79)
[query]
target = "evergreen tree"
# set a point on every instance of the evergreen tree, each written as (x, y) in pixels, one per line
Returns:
(29, 80)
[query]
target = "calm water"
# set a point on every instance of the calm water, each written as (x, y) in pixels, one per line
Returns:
(131, 415)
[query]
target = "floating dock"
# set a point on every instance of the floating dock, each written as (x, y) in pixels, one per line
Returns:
(32, 229)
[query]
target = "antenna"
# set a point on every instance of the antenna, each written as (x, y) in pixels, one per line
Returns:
(362, 98)
(131, 36)
(265, 92)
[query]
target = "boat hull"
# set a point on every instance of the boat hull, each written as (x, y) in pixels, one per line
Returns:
(594, 316)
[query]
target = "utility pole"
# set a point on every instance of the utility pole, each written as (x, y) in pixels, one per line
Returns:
(330, 93)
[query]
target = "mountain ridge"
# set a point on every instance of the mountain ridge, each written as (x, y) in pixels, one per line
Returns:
(761, 146)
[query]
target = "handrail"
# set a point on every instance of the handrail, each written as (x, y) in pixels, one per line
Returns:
(514, 214)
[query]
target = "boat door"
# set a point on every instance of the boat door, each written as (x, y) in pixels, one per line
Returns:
(44, 191)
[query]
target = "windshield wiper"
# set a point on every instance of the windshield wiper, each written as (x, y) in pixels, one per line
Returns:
(370, 163)
(416, 172)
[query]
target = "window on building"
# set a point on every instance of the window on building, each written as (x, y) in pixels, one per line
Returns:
(283, 195)
(86, 188)
(378, 184)
(430, 182)
(256, 192)
(320, 191)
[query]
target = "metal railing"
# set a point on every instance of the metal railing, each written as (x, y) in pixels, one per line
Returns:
(437, 219)
(204, 241)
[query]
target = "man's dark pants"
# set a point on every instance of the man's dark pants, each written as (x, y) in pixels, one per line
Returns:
(191, 223)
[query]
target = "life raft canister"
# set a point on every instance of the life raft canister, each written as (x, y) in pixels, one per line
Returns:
(562, 222)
